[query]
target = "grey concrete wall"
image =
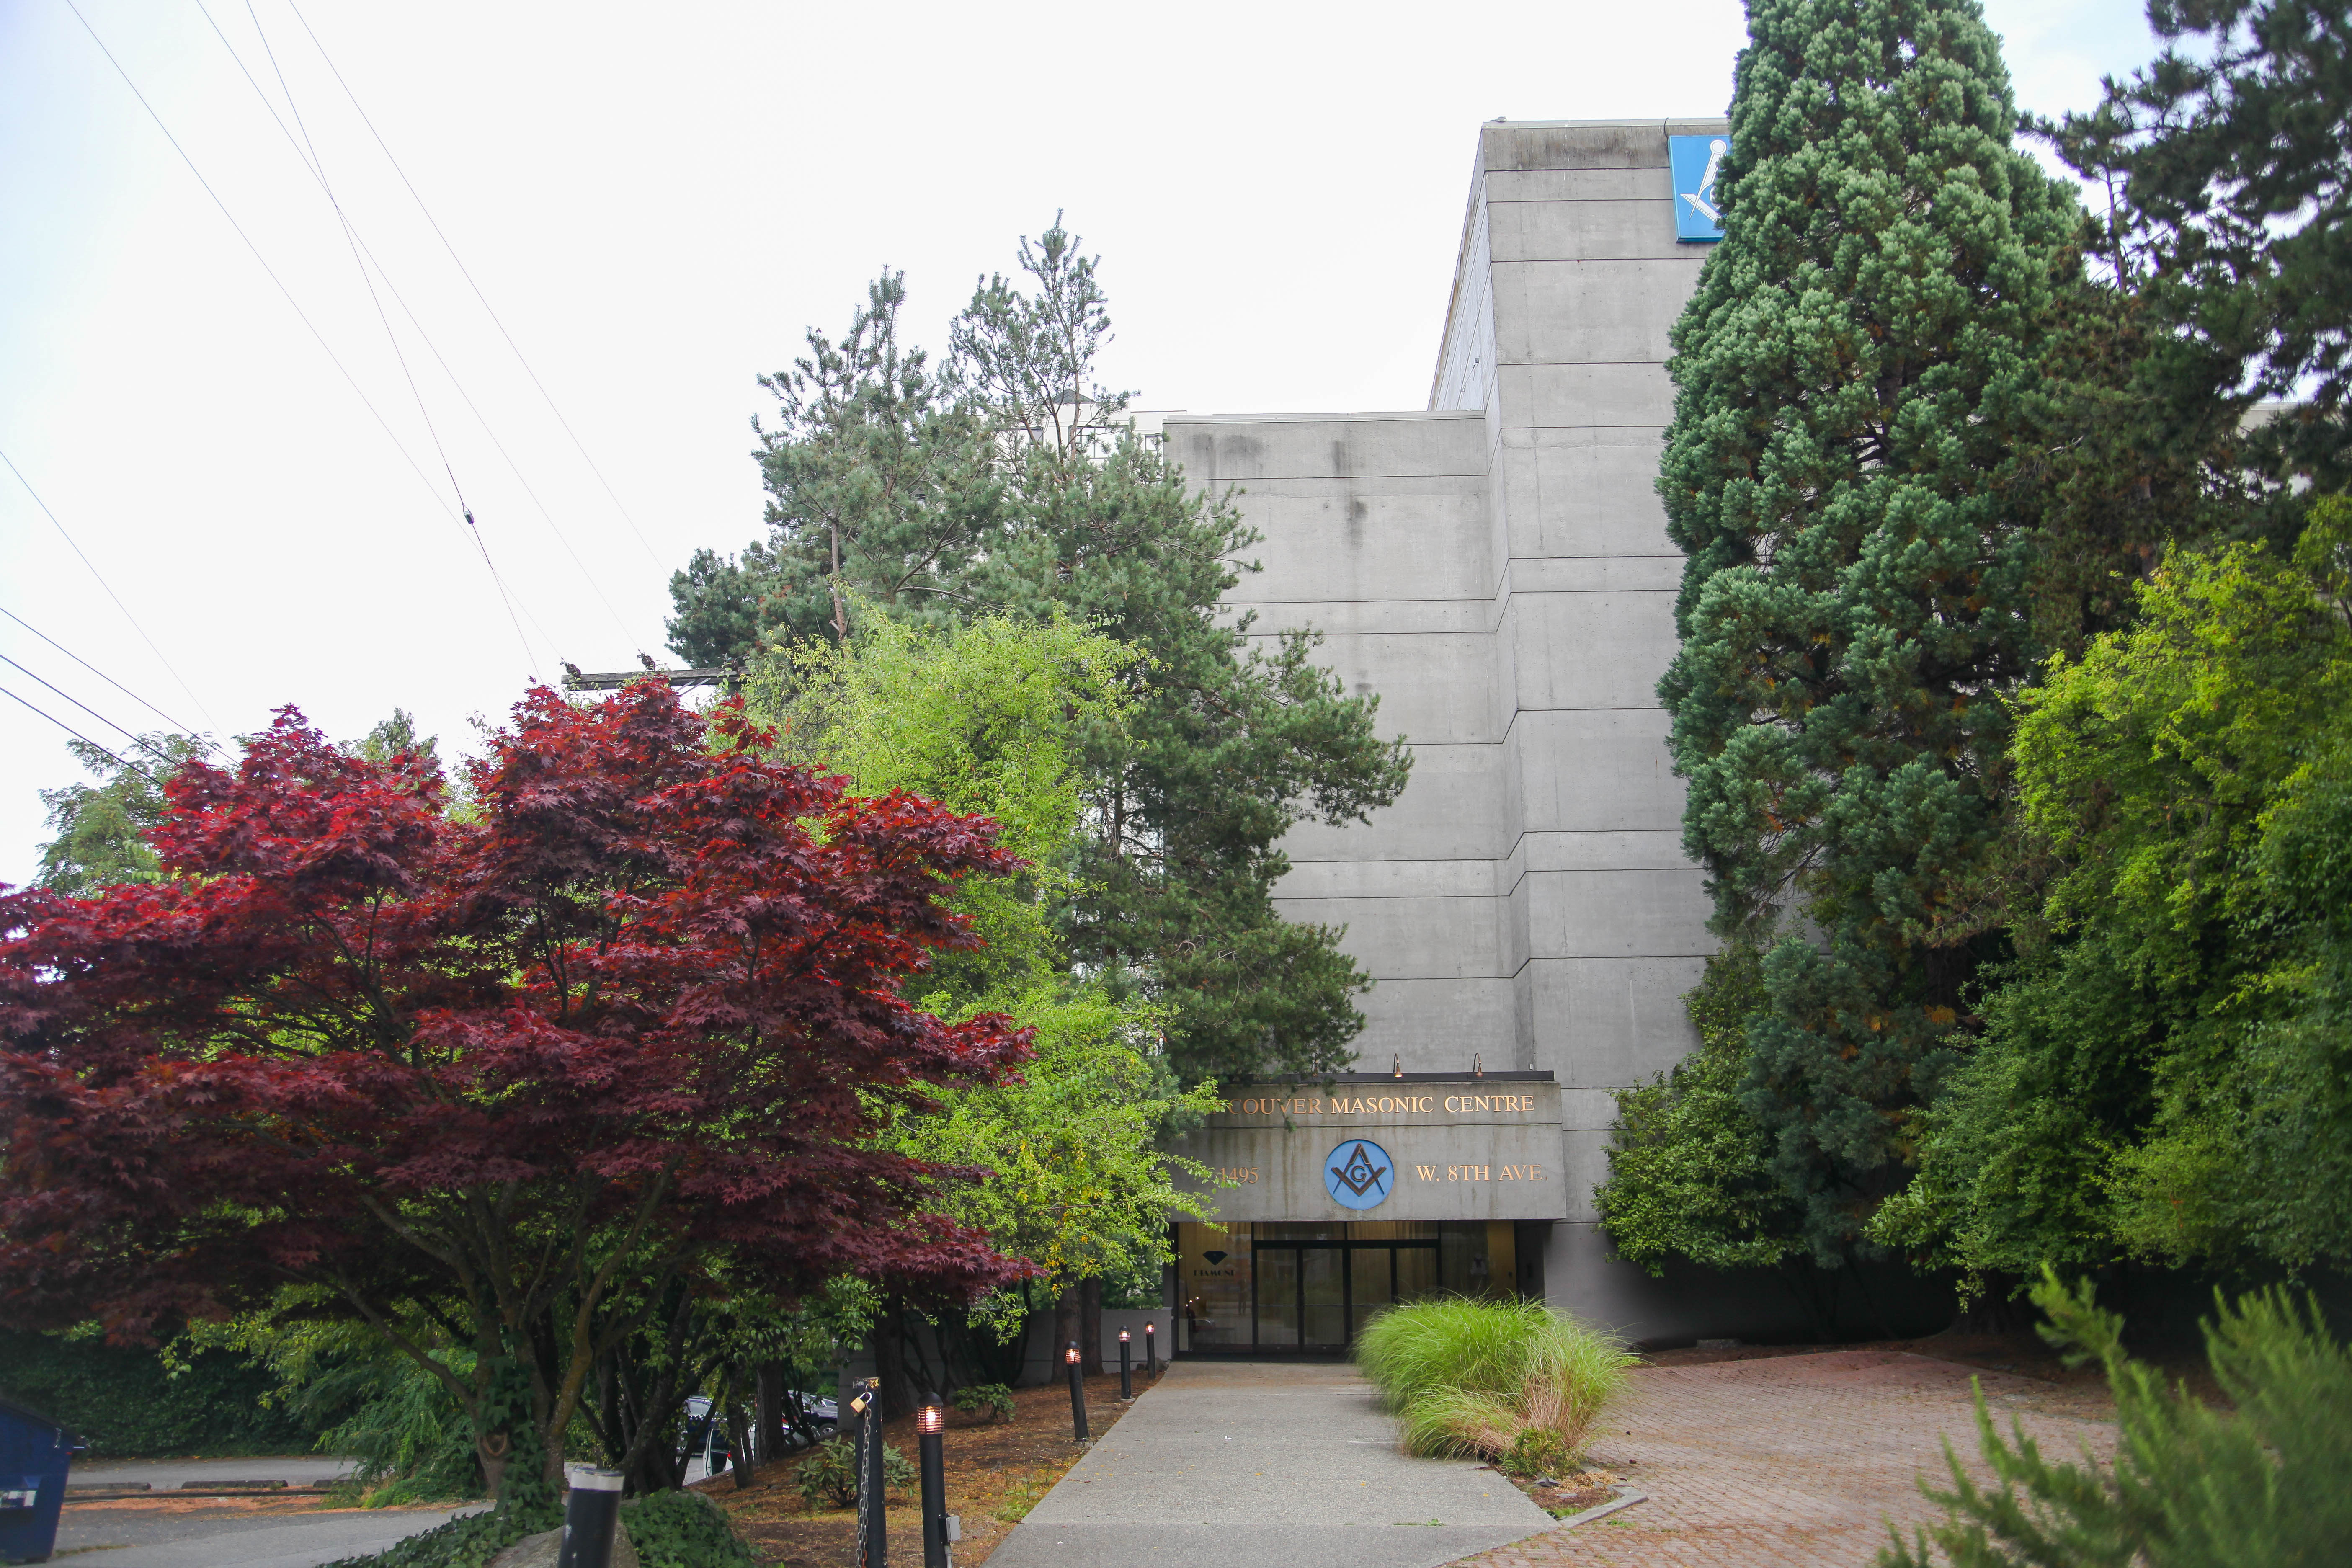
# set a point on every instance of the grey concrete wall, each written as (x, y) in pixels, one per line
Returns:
(1497, 570)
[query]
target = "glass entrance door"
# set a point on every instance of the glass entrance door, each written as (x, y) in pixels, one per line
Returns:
(1371, 1283)
(1307, 1287)
(1315, 1295)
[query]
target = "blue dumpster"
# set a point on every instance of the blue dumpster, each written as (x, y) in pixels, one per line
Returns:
(34, 1453)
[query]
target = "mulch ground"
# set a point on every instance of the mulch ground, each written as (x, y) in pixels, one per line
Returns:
(996, 1471)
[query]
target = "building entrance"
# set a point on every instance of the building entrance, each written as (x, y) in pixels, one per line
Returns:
(1308, 1289)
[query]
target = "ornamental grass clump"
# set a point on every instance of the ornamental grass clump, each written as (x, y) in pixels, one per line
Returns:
(1468, 1377)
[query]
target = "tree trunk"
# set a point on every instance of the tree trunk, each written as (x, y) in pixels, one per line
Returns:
(739, 1444)
(1997, 1311)
(493, 1450)
(770, 1415)
(899, 1394)
(1091, 1359)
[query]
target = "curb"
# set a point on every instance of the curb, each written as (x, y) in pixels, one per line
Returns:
(1626, 1497)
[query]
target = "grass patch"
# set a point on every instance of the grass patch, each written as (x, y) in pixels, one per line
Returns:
(1512, 1381)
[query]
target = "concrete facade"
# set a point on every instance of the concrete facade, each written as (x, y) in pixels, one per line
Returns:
(1447, 1148)
(1496, 569)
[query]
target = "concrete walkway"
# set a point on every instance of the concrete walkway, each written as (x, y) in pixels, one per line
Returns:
(1234, 1462)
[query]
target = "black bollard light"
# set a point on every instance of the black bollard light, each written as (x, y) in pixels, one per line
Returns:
(929, 1423)
(1151, 1349)
(1126, 1377)
(591, 1512)
(1077, 1392)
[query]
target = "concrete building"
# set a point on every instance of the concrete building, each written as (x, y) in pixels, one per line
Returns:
(1495, 567)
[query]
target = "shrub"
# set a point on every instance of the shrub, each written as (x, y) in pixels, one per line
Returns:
(2191, 1487)
(1467, 1376)
(127, 1401)
(1535, 1451)
(683, 1529)
(830, 1473)
(992, 1397)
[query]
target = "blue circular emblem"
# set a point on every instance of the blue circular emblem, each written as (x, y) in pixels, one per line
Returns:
(1359, 1174)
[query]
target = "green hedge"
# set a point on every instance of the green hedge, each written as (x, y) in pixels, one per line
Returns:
(669, 1529)
(127, 1404)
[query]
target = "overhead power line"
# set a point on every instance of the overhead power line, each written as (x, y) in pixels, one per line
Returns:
(294, 304)
(78, 702)
(306, 151)
(519, 357)
(71, 543)
(85, 739)
(177, 727)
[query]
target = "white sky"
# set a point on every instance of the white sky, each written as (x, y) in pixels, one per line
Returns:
(657, 200)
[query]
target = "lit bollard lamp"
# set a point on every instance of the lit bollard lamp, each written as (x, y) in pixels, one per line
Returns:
(929, 1423)
(1151, 1349)
(1077, 1392)
(592, 1512)
(1126, 1376)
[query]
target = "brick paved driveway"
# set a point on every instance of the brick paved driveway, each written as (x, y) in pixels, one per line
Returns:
(1793, 1461)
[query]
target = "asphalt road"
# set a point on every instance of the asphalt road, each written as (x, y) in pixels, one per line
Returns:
(229, 1532)
(229, 1536)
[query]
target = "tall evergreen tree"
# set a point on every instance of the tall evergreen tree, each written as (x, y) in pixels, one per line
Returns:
(1224, 745)
(1857, 376)
(2230, 160)
(879, 483)
(1012, 482)
(101, 828)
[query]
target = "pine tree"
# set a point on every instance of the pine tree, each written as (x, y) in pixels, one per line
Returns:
(2230, 163)
(1014, 482)
(1857, 379)
(880, 484)
(1223, 748)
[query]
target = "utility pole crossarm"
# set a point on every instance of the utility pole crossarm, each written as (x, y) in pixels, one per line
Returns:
(577, 679)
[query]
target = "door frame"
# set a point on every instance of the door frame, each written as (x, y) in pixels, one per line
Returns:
(1346, 1249)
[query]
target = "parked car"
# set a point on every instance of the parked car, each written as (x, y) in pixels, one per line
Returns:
(708, 1449)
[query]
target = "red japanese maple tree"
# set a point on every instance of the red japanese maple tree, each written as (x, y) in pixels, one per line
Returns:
(625, 1020)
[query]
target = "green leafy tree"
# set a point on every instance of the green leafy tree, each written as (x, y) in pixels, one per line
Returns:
(101, 828)
(880, 484)
(2230, 160)
(2267, 1480)
(990, 716)
(995, 716)
(1013, 483)
(1081, 1186)
(2165, 1075)
(1856, 376)
(396, 736)
(1690, 1171)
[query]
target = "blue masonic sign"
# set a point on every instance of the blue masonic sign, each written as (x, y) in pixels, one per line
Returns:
(1359, 1174)
(1695, 161)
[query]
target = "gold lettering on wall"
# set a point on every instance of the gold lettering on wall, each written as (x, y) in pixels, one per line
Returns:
(1479, 1173)
(1453, 1105)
